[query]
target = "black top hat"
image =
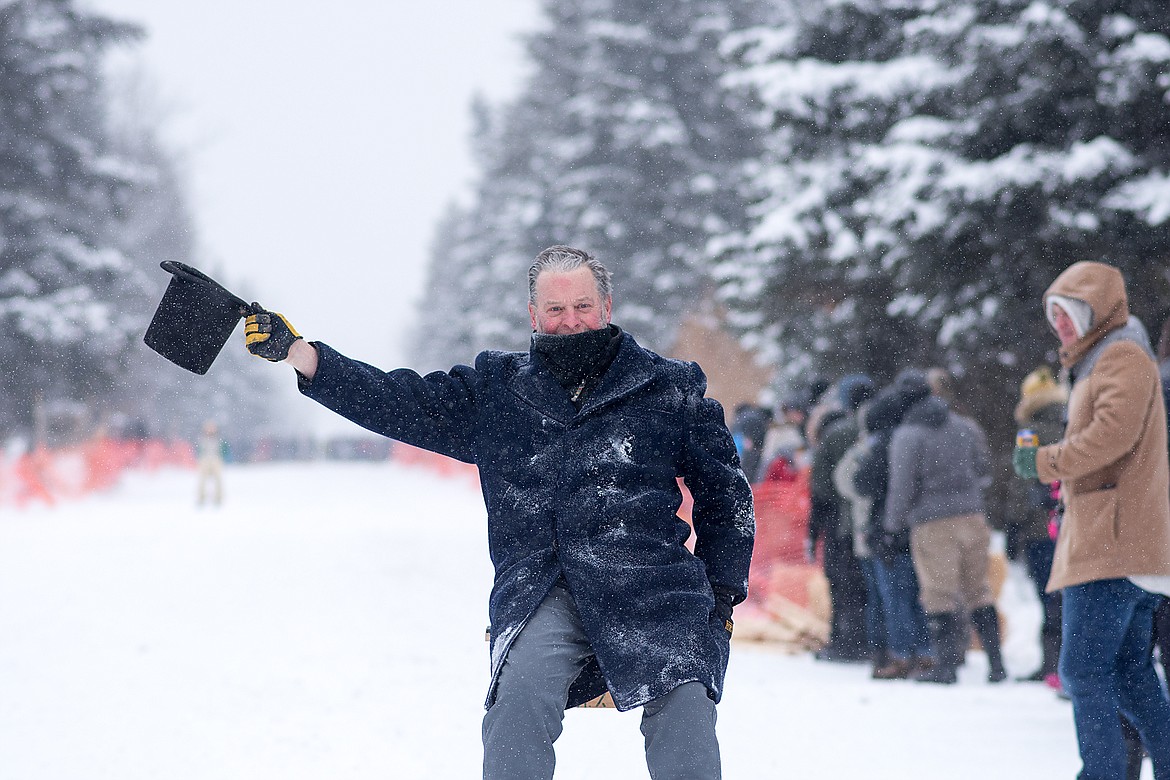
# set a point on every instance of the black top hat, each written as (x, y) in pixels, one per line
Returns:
(194, 319)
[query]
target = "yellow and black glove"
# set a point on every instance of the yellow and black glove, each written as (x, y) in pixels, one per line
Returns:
(268, 334)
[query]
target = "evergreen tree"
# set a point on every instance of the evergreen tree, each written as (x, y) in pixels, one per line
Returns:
(621, 143)
(88, 208)
(154, 225)
(61, 329)
(932, 165)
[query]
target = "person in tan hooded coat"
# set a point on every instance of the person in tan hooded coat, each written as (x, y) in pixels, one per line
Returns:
(1113, 549)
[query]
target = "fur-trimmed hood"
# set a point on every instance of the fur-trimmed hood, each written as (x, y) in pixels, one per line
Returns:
(1102, 287)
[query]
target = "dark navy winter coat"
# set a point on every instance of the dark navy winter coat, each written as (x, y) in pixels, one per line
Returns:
(590, 494)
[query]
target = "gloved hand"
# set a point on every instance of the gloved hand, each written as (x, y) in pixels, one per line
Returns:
(891, 544)
(1024, 462)
(268, 334)
(724, 599)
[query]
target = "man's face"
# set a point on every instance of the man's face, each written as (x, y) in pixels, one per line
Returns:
(567, 302)
(1063, 324)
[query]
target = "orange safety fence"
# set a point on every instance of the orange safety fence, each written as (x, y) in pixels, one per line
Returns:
(407, 455)
(48, 475)
(778, 564)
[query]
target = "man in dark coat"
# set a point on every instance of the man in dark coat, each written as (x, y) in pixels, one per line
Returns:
(1031, 506)
(580, 443)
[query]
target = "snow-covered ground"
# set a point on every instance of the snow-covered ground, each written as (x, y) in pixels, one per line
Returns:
(328, 622)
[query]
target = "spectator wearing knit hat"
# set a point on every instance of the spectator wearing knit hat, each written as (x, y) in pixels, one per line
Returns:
(1030, 523)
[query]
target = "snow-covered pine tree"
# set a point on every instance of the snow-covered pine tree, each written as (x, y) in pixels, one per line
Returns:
(932, 165)
(623, 143)
(61, 330)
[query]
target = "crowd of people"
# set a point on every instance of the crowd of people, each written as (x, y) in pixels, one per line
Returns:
(898, 520)
(897, 481)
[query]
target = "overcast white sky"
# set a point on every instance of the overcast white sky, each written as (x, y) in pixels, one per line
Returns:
(323, 141)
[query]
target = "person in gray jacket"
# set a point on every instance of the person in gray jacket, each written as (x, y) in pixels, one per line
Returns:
(939, 468)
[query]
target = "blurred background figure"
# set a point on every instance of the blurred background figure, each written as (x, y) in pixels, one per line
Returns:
(1162, 613)
(749, 429)
(858, 508)
(785, 447)
(907, 641)
(831, 522)
(940, 465)
(1030, 524)
(211, 451)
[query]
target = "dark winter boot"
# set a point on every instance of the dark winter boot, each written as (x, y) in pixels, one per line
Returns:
(894, 669)
(986, 623)
(945, 631)
(1049, 656)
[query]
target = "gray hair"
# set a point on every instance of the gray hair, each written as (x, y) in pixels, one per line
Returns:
(562, 258)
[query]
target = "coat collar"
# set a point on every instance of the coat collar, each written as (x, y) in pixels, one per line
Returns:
(631, 369)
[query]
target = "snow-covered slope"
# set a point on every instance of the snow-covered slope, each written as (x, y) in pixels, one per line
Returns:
(328, 621)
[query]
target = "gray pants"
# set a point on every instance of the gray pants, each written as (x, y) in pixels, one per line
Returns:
(520, 727)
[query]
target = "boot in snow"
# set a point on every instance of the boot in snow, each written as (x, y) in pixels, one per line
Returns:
(1050, 656)
(894, 669)
(945, 630)
(986, 623)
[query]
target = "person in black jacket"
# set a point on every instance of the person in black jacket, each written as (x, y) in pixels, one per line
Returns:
(1162, 614)
(580, 443)
(830, 521)
(908, 644)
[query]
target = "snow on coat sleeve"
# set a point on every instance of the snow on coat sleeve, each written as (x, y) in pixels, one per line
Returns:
(723, 515)
(435, 412)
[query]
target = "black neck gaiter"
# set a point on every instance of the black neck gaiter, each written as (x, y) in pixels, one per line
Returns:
(579, 359)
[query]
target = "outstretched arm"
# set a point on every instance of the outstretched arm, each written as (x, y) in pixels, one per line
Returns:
(435, 412)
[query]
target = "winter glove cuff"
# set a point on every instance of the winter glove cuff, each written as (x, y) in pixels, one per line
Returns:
(268, 334)
(1024, 462)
